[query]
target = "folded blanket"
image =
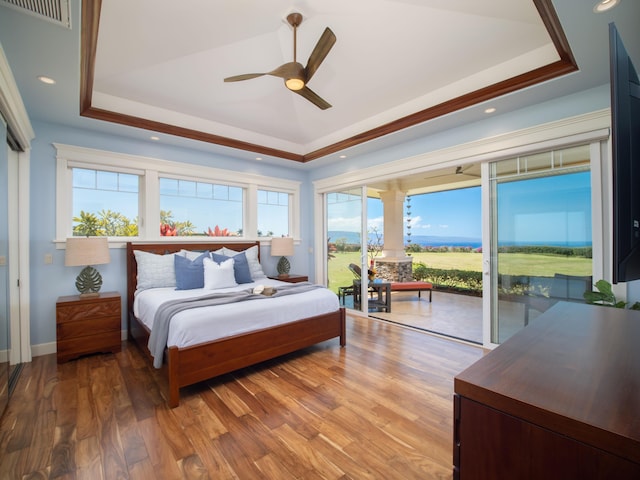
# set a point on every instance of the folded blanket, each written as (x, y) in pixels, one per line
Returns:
(166, 311)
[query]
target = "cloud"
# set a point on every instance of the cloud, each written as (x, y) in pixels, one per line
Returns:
(376, 223)
(349, 224)
(416, 223)
(443, 226)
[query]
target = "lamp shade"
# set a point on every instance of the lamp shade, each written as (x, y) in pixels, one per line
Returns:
(282, 246)
(81, 251)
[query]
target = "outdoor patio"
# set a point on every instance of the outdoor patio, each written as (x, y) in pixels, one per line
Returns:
(451, 314)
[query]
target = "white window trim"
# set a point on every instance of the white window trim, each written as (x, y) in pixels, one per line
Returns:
(152, 169)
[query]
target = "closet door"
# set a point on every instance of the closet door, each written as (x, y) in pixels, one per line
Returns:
(5, 348)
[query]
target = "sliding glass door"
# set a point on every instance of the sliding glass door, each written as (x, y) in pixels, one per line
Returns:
(346, 251)
(540, 236)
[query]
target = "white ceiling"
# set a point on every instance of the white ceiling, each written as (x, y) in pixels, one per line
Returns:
(165, 62)
(392, 58)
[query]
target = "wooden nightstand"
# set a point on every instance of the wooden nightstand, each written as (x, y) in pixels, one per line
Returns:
(292, 278)
(87, 325)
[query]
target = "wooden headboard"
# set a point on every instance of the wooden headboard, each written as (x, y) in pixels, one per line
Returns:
(165, 248)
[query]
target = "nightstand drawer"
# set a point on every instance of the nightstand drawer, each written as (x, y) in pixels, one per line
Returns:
(74, 347)
(89, 327)
(71, 312)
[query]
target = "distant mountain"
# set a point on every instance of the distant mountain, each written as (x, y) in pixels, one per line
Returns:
(430, 240)
(348, 237)
(439, 241)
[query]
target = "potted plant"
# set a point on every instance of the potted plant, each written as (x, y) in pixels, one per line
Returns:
(603, 295)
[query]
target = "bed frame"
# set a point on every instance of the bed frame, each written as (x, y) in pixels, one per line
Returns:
(186, 366)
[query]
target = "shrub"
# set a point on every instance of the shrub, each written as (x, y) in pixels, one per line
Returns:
(463, 280)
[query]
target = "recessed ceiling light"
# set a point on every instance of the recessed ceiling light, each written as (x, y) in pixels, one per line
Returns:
(47, 80)
(154, 138)
(489, 110)
(604, 5)
(342, 156)
(258, 158)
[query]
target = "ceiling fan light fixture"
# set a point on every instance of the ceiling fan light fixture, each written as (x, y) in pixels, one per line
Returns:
(604, 5)
(294, 83)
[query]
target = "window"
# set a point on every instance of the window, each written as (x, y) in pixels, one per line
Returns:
(198, 208)
(105, 203)
(273, 213)
(120, 195)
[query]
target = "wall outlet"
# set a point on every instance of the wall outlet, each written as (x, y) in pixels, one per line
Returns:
(3, 260)
(48, 259)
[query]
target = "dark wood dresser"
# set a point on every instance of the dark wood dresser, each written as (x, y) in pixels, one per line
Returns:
(559, 400)
(88, 325)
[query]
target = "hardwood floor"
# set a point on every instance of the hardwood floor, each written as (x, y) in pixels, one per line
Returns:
(379, 408)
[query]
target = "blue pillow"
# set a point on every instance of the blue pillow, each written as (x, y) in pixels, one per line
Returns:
(189, 273)
(240, 267)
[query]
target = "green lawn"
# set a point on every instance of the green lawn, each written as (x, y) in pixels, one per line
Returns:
(510, 263)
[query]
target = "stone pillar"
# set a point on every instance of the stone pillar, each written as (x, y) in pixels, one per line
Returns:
(395, 265)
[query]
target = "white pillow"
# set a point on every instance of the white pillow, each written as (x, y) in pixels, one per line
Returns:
(155, 271)
(252, 258)
(218, 275)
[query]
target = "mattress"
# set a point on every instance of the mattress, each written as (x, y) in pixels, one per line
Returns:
(204, 324)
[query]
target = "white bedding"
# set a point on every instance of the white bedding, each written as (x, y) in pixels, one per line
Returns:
(200, 325)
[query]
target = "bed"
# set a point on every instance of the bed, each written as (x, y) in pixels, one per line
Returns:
(192, 361)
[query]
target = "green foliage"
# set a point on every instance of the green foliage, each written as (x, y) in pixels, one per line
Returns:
(585, 252)
(105, 223)
(450, 279)
(413, 248)
(603, 295)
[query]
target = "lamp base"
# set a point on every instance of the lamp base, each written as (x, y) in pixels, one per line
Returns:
(89, 295)
(89, 282)
(283, 267)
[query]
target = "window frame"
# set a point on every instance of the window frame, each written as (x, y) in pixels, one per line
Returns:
(150, 170)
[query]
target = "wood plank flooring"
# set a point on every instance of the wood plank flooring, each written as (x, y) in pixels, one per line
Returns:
(380, 408)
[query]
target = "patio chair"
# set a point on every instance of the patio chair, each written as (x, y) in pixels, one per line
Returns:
(343, 292)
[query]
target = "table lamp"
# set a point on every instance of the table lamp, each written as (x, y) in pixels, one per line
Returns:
(87, 251)
(282, 247)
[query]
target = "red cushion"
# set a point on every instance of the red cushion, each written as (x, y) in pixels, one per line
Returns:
(411, 286)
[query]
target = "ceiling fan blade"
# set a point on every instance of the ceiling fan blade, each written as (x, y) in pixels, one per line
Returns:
(320, 51)
(246, 76)
(288, 70)
(313, 97)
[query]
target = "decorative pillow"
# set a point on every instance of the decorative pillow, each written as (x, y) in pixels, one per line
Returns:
(155, 271)
(190, 273)
(252, 258)
(240, 266)
(218, 275)
(192, 254)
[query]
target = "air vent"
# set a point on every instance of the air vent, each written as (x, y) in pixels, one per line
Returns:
(56, 11)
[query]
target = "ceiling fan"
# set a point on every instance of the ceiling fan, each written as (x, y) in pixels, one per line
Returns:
(460, 170)
(294, 74)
